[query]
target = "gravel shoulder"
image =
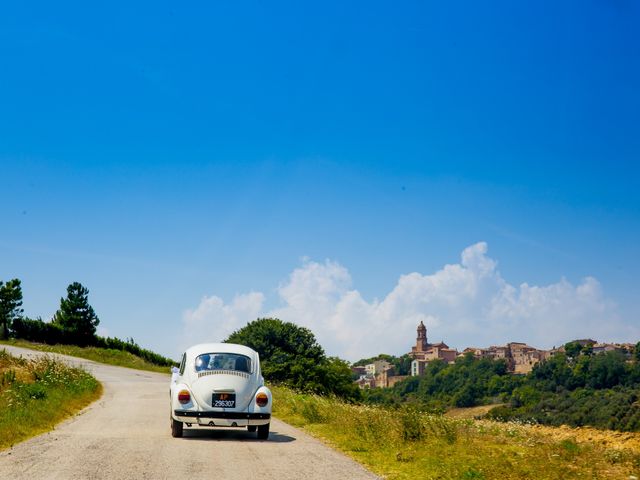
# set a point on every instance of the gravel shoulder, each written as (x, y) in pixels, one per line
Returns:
(126, 434)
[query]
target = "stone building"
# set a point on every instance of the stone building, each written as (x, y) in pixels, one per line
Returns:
(600, 347)
(424, 352)
(388, 378)
(379, 374)
(366, 381)
(377, 367)
(520, 357)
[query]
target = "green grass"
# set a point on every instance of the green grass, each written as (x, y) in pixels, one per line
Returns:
(409, 444)
(109, 356)
(35, 395)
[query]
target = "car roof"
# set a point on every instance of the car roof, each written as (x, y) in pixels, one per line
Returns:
(201, 348)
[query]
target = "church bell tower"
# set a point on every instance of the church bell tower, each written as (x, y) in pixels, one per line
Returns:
(421, 340)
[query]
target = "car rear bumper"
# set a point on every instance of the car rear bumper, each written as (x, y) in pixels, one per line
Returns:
(225, 415)
(222, 419)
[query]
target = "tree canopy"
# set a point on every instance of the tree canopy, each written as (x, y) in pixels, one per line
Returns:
(290, 355)
(467, 382)
(10, 303)
(75, 317)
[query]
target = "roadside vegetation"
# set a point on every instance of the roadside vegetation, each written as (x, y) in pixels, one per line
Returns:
(116, 357)
(35, 395)
(406, 442)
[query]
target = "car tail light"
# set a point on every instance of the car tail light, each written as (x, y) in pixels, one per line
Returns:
(262, 399)
(184, 396)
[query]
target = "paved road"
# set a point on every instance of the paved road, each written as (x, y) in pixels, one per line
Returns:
(126, 435)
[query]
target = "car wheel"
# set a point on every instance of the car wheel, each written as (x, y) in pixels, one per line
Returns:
(252, 428)
(263, 431)
(176, 428)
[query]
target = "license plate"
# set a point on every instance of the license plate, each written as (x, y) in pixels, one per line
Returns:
(224, 400)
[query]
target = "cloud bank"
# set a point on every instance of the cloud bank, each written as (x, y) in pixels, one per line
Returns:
(464, 304)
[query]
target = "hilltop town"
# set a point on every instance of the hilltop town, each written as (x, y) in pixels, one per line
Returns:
(520, 358)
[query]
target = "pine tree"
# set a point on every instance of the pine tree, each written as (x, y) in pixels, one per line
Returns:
(76, 317)
(10, 303)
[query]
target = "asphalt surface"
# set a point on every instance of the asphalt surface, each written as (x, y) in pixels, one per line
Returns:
(126, 435)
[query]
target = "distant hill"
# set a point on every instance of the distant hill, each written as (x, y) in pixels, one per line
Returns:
(575, 386)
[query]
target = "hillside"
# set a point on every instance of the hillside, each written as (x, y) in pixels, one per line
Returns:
(576, 389)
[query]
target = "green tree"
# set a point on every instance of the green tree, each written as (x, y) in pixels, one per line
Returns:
(636, 353)
(76, 317)
(553, 374)
(607, 370)
(468, 396)
(290, 355)
(10, 303)
(337, 375)
(572, 349)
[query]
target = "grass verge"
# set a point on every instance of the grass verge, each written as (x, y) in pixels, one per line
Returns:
(119, 358)
(407, 444)
(35, 395)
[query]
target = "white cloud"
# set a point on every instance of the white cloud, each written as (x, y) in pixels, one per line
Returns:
(212, 320)
(464, 304)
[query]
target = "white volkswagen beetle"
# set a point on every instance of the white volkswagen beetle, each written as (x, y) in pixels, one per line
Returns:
(220, 385)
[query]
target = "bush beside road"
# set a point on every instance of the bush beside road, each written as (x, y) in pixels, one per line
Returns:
(37, 394)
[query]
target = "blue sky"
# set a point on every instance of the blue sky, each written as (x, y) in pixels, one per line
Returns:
(175, 157)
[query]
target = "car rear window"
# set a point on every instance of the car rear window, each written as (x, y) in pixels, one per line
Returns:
(223, 361)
